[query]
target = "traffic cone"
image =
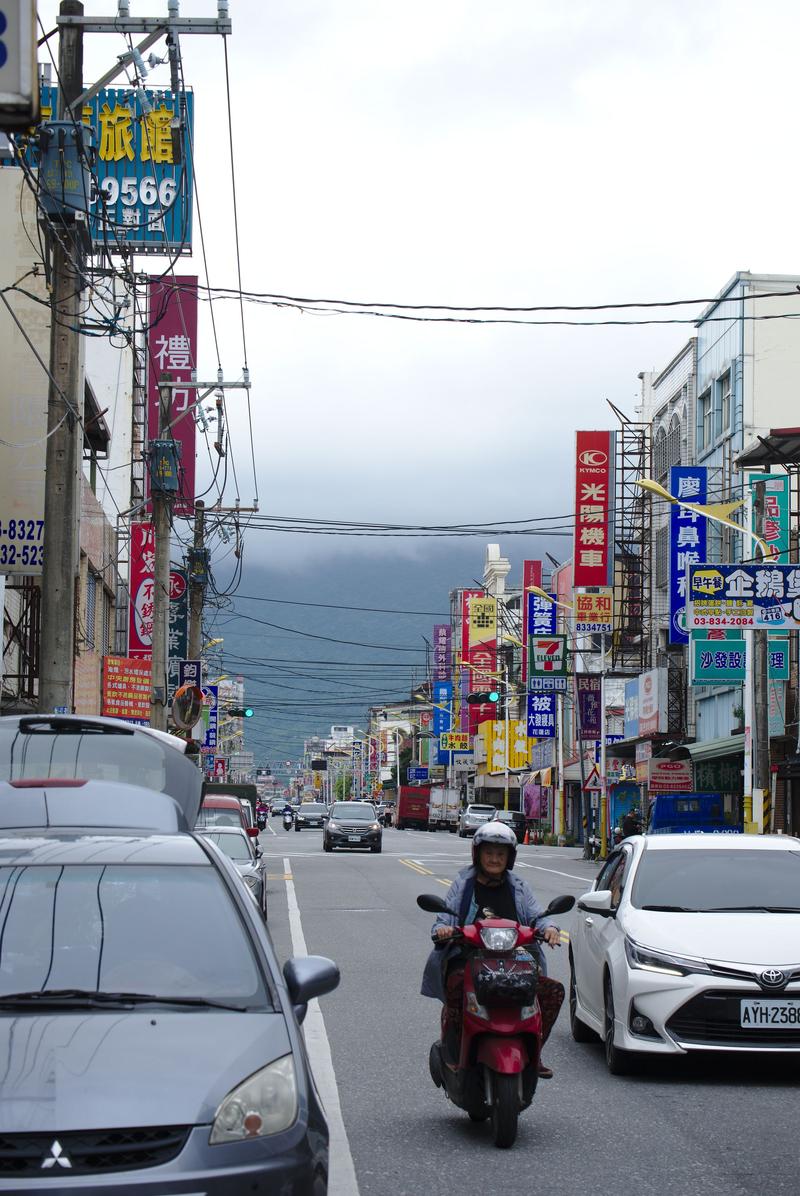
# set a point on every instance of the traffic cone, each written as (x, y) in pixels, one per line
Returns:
(526, 842)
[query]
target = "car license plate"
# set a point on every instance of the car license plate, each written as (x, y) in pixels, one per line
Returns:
(763, 1015)
(353, 838)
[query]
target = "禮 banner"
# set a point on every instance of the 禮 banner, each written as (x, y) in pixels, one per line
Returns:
(688, 531)
(172, 349)
(594, 477)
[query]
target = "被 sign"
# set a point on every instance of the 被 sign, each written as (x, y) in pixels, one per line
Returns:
(542, 715)
(145, 199)
(594, 476)
(757, 595)
(687, 541)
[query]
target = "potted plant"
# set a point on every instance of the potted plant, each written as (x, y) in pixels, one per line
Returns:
(738, 714)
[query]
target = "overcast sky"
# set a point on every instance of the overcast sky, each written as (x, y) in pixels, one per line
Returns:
(516, 152)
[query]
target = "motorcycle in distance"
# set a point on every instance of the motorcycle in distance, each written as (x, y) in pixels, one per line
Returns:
(501, 1033)
(261, 822)
(288, 819)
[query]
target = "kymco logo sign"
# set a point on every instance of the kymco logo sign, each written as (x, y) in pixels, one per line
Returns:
(593, 458)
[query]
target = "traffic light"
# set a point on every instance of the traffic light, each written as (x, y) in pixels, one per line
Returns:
(483, 696)
(240, 712)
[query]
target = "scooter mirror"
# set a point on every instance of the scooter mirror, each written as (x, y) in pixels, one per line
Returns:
(432, 904)
(560, 905)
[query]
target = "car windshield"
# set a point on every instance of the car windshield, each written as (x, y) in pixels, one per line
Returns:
(235, 846)
(168, 930)
(213, 816)
(718, 880)
(312, 808)
(353, 811)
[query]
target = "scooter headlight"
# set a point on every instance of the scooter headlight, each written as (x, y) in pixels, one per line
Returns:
(499, 938)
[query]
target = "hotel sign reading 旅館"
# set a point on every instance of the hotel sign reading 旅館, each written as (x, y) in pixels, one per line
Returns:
(742, 596)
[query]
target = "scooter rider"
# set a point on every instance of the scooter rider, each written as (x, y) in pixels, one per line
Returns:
(488, 888)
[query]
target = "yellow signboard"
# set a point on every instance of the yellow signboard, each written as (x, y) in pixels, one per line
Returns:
(482, 621)
(594, 610)
(494, 734)
(454, 741)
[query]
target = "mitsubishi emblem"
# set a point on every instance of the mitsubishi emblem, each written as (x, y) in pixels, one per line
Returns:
(56, 1157)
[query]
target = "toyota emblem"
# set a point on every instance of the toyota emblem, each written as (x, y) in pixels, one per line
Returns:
(772, 978)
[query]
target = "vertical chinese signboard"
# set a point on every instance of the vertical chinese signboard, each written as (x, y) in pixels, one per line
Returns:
(482, 655)
(172, 349)
(594, 477)
(590, 714)
(145, 198)
(177, 629)
(687, 541)
(531, 576)
(142, 568)
(542, 715)
(776, 512)
(442, 721)
(441, 652)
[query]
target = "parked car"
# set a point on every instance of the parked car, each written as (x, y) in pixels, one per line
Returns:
(472, 817)
(222, 810)
(352, 824)
(687, 942)
(248, 859)
(515, 820)
(310, 813)
(135, 961)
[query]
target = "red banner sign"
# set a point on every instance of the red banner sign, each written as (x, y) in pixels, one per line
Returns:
(594, 475)
(531, 576)
(140, 610)
(172, 349)
(126, 688)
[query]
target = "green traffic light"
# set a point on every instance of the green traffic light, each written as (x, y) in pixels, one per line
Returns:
(494, 696)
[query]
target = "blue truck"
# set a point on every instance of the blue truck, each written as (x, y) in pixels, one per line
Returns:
(692, 813)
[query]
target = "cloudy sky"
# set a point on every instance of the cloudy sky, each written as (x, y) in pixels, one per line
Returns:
(522, 152)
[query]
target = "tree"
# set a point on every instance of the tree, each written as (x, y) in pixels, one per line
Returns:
(343, 786)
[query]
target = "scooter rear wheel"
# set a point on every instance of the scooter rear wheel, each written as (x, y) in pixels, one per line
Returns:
(505, 1109)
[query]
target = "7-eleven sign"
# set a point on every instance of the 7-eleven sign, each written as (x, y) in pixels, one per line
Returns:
(547, 655)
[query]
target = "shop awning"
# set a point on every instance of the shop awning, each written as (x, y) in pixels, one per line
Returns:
(714, 749)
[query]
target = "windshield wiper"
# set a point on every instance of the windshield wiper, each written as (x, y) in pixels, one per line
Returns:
(87, 998)
(752, 909)
(672, 909)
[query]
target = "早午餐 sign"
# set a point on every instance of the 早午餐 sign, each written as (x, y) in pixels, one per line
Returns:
(757, 595)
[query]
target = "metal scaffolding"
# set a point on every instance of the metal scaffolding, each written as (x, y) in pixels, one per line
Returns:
(630, 644)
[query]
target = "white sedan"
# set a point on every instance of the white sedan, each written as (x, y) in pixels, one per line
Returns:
(689, 942)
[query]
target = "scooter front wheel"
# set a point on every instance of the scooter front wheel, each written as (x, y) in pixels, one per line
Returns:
(505, 1109)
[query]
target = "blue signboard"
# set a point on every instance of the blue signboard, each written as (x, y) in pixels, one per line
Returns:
(211, 695)
(442, 696)
(739, 596)
(146, 195)
(542, 716)
(631, 727)
(688, 532)
(417, 773)
(542, 615)
(610, 741)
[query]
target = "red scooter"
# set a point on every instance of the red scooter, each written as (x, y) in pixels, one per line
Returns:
(501, 1033)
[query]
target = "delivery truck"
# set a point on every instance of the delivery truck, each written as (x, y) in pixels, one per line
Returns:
(413, 807)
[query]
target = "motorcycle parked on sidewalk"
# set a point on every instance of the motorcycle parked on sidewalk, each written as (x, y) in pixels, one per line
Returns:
(501, 1028)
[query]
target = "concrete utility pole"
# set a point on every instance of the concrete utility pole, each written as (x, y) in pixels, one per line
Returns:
(162, 502)
(62, 496)
(761, 771)
(197, 588)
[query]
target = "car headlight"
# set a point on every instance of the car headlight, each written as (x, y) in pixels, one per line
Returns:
(646, 959)
(499, 938)
(332, 826)
(375, 826)
(266, 1103)
(251, 881)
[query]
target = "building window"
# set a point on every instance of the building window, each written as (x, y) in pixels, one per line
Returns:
(723, 404)
(674, 443)
(662, 557)
(660, 455)
(91, 607)
(705, 421)
(105, 624)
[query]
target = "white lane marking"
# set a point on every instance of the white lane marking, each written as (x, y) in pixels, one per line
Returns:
(342, 1173)
(539, 868)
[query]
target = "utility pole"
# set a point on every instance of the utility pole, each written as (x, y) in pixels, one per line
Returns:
(162, 502)
(197, 582)
(761, 772)
(62, 498)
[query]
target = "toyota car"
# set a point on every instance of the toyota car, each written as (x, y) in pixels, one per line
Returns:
(689, 942)
(168, 1056)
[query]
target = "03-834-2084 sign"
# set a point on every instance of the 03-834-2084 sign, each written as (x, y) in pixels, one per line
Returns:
(749, 595)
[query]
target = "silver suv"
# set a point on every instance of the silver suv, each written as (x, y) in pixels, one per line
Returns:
(473, 817)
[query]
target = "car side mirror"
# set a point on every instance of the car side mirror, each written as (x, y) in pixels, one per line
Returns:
(598, 902)
(309, 976)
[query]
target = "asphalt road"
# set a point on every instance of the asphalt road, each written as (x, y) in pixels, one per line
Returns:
(709, 1127)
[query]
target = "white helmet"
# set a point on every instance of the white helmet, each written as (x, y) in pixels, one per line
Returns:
(495, 832)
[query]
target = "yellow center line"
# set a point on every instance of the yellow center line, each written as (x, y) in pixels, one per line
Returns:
(279, 876)
(416, 867)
